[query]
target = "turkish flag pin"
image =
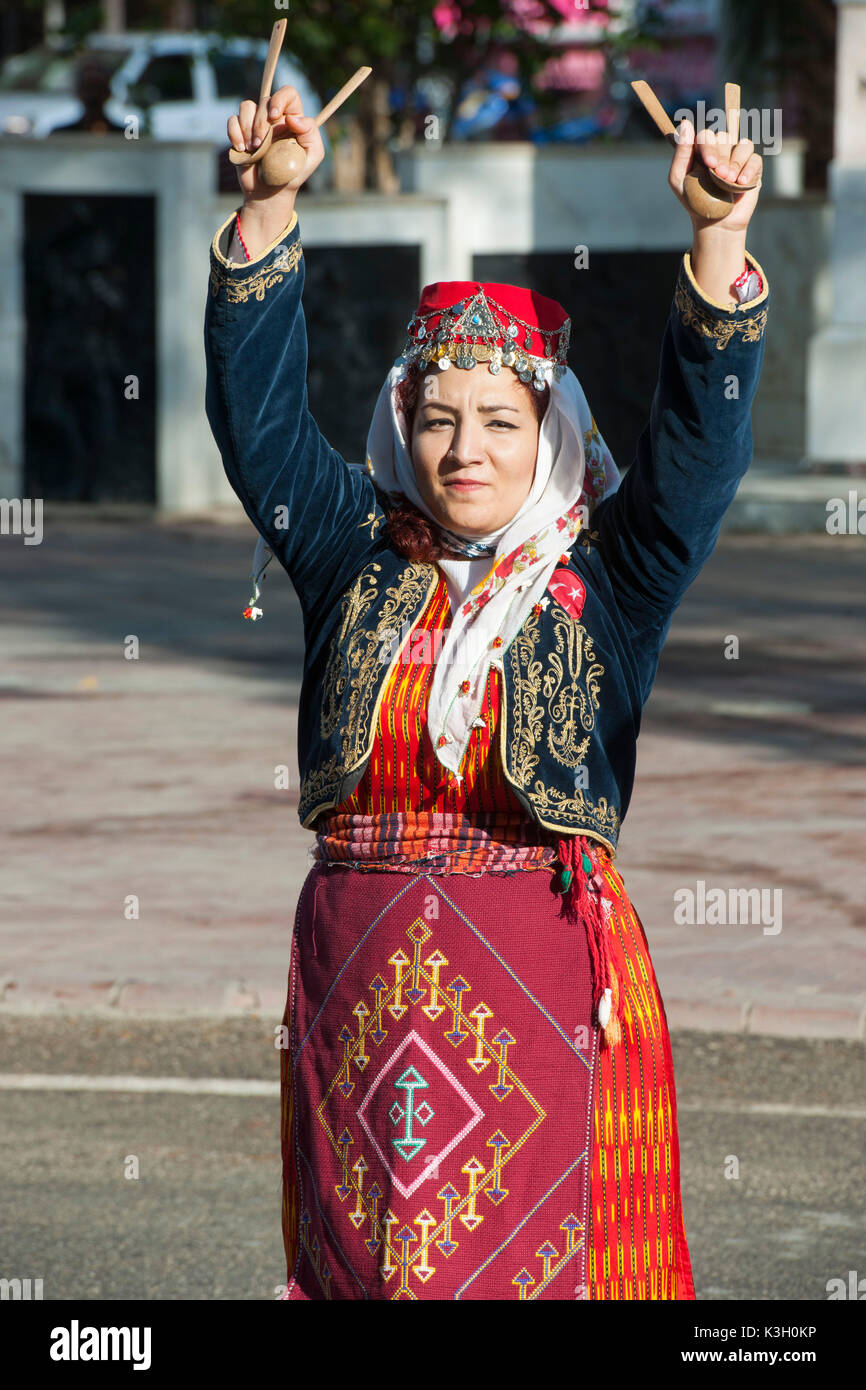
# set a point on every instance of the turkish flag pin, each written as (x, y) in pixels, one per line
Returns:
(568, 591)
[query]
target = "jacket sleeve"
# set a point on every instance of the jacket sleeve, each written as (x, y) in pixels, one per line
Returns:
(321, 517)
(661, 525)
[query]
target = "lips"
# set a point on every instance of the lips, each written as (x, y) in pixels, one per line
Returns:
(465, 483)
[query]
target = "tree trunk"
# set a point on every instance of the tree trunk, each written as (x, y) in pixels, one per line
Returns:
(375, 121)
(349, 151)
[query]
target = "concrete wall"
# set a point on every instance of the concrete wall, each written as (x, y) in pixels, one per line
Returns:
(180, 176)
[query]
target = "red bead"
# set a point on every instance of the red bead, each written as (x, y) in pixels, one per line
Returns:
(441, 739)
(464, 686)
(536, 608)
(497, 641)
(240, 237)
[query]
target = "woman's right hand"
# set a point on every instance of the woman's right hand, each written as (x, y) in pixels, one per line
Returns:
(264, 204)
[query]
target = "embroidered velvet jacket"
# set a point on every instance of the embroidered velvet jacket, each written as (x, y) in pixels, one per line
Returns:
(572, 688)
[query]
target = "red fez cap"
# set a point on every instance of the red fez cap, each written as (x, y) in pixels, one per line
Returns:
(463, 322)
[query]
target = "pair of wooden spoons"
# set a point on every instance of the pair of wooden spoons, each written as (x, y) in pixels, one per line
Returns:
(701, 185)
(281, 160)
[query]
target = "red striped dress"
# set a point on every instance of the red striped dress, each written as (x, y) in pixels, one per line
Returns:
(637, 1245)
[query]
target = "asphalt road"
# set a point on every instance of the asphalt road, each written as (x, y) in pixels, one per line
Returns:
(202, 1218)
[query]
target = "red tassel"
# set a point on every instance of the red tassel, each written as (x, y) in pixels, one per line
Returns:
(581, 905)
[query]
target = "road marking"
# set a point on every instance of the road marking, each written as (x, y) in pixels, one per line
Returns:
(177, 1085)
(760, 1107)
(758, 709)
(230, 1086)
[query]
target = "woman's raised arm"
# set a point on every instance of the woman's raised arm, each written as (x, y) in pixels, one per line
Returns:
(661, 526)
(322, 518)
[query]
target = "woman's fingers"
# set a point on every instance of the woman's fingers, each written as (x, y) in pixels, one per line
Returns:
(304, 129)
(752, 171)
(681, 162)
(731, 164)
(283, 112)
(712, 147)
(284, 100)
(260, 125)
(245, 117)
(283, 115)
(286, 116)
(235, 134)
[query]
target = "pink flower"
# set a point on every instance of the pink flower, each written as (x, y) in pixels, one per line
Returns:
(446, 15)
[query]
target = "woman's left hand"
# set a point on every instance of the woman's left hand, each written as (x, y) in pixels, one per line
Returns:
(737, 165)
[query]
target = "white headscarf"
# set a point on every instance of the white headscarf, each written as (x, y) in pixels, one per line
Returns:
(492, 597)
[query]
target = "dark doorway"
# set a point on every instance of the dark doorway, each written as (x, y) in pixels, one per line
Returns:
(357, 302)
(90, 361)
(619, 307)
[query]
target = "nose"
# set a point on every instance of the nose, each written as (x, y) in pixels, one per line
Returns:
(467, 442)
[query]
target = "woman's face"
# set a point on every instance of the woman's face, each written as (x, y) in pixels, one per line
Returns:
(471, 427)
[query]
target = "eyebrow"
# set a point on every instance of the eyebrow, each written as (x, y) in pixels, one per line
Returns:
(484, 409)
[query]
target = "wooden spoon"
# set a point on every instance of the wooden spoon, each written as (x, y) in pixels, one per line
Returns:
(706, 193)
(243, 157)
(732, 117)
(284, 158)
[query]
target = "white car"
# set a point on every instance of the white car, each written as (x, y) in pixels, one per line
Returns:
(180, 86)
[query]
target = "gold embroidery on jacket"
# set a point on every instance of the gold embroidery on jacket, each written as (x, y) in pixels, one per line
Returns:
(571, 688)
(699, 317)
(360, 657)
(371, 665)
(585, 538)
(239, 288)
(373, 520)
(572, 693)
(317, 786)
(564, 809)
(342, 657)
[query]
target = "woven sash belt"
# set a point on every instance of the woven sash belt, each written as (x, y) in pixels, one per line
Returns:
(435, 842)
(487, 842)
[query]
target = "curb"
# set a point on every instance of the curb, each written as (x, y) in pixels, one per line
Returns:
(132, 999)
(768, 1018)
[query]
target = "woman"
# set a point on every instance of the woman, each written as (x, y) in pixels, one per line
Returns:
(478, 1093)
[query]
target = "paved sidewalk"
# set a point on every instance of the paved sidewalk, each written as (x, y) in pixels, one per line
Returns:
(153, 780)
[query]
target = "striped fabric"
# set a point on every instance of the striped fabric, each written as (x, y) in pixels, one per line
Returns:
(637, 1239)
(406, 807)
(403, 771)
(450, 842)
(457, 829)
